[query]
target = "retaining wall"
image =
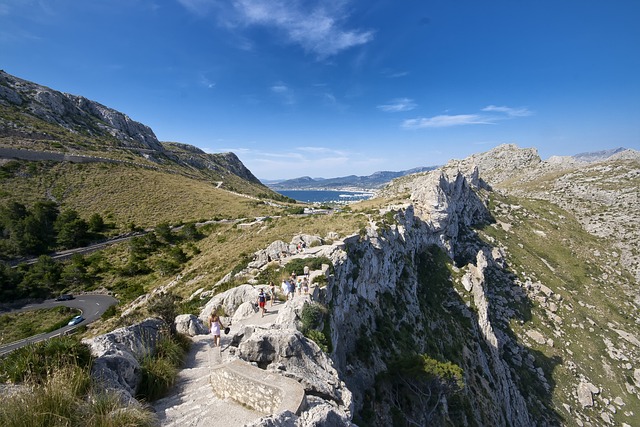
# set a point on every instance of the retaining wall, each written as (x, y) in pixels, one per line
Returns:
(258, 389)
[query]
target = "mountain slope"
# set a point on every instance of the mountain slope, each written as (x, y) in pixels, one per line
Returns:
(93, 159)
(36, 118)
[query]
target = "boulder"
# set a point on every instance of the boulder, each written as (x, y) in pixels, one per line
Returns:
(229, 301)
(584, 395)
(289, 314)
(288, 352)
(189, 324)
(116, 366)
(274, 252)
(244, 311)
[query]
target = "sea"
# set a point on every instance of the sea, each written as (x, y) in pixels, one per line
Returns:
(326, 196)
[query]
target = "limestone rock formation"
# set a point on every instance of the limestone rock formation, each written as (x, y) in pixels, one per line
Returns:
(116, 366)
(189, 324)
(75, 112)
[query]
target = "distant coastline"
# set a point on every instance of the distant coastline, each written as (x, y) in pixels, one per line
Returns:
(329, 196)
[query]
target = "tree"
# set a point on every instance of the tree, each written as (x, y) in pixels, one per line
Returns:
(418, 386)
(41, 279)
(96, 223)
(72, 230)
(190, 232)
(74, 273)
(9, 280)
(163, 231)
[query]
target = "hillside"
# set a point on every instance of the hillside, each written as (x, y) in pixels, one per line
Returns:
(95, 160)
(34, 118)
(498, 290)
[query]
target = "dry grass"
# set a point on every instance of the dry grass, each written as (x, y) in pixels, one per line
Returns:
(16, 326)
(127, 194)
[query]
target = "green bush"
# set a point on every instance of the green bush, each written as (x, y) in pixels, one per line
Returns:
(319, 338)
(297, 265)
(109, 312)
(158, 375)
(68, 399)
(159, 370)
(311, 316)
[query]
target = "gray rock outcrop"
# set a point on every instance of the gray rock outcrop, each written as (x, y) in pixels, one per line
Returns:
(117, 354)
(189, 324)
(75, 112)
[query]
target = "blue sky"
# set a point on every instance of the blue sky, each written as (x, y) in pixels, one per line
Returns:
(338, 87)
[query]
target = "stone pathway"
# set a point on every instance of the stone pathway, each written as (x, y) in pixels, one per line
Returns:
(191, 402)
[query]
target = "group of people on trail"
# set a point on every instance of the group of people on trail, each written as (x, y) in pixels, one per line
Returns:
(290, 287)
(296, 285)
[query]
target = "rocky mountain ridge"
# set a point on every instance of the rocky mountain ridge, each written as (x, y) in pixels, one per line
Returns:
(74, 113)
(537, 311)
(36, 118)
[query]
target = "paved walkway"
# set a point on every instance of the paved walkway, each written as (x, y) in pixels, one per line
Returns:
(191, 402)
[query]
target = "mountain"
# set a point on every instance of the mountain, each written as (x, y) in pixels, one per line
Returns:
(500, 289)
(47, 137)
(373, 181)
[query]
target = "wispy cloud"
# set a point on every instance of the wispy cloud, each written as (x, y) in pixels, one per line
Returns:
(204, 81)
(397, 105)
(284, 92)
(198, 7)
(317, 26)
(323, 150)
(293, 162)
(490, 115)
(511, 112)
(447, 121)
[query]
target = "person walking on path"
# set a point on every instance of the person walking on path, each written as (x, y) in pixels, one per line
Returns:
(272, 292)
(292, 289)
(215, 325)
(262, 301)
(306, 271)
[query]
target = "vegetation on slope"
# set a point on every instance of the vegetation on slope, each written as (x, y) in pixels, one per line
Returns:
(545, 244)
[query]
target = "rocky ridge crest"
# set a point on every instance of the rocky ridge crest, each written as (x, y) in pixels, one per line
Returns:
(74, 113)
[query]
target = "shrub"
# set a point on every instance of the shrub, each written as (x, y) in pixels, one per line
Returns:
(311, 316)
(159, 370)
(297, 265)
(68, 399)
(158, 375)
(319, 338)
(109, 312)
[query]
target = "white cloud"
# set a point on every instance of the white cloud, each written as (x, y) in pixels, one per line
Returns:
(511, 112)
(446, 121)
(284, 92)
(323, 150)
(198, 7)
(398, 105)
(317, 26)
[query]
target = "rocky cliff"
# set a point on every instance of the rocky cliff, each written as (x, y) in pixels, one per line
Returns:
(460, 274)
(74, 113)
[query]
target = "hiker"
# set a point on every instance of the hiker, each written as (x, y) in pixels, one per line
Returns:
(272, 292)
(262, 301)
(305, 286)
(292, 289)
(306, 271)
(215, 325)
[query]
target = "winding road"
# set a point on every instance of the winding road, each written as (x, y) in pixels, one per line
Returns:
(91, 305)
